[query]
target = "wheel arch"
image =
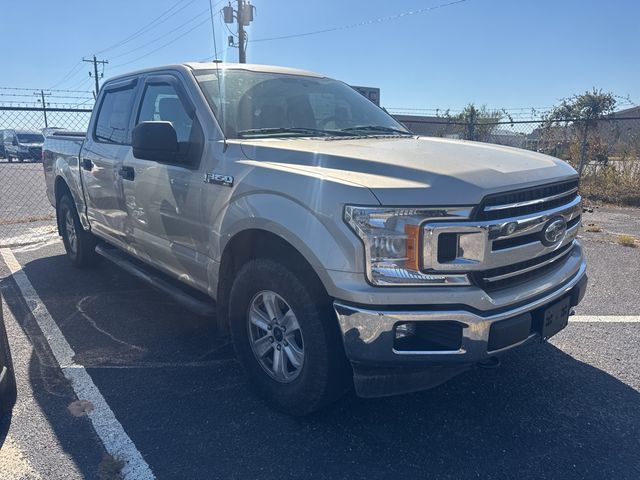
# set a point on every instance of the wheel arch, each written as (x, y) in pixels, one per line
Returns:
(254, 243)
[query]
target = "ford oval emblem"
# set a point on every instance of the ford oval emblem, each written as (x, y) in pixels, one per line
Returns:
(554, 231)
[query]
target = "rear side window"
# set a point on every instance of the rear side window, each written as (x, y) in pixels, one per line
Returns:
(113, 117)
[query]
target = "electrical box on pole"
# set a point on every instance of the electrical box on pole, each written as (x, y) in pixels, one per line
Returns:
(247, 14)
(227, 14)
(243, 14)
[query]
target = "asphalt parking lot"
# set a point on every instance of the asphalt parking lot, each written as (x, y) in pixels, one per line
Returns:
(566, 409)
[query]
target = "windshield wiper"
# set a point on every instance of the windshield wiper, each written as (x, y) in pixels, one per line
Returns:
(292, 130)
(376, 128)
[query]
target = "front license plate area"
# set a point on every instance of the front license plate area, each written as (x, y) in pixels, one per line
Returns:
(555, 318)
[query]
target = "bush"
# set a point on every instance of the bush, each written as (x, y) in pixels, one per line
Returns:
(617, 183)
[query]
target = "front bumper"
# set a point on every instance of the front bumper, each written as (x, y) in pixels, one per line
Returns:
(381, 369)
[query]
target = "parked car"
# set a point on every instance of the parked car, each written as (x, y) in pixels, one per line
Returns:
(50, 130)
(23, 145)
(340, 248)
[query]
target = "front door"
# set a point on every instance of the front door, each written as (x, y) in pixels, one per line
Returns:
(164, 202)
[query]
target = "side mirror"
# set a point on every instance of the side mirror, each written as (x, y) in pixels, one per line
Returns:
(155, 141)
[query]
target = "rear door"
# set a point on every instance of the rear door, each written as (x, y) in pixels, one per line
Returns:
(108, 142)
(164, 201)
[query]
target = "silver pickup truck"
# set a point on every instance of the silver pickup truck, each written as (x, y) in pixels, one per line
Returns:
(340, 249)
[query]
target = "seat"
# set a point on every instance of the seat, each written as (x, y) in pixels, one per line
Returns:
(171, 110)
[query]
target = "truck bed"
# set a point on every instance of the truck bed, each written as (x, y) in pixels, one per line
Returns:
(61, 152)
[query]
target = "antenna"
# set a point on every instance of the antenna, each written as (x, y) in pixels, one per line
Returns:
(217, 62)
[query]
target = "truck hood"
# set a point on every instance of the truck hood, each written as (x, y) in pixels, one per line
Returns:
(413, 170)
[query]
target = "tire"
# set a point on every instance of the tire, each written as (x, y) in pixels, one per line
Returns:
(323, 374)
(79, 244)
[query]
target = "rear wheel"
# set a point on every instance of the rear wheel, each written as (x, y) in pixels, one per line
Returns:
(285, 336)
(79, 244)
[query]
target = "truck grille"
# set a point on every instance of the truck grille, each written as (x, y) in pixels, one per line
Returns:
(505, 241)
(511, 275)
(527, 201)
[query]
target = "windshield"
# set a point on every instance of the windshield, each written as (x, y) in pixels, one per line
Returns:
(259, 104)
(30, 138)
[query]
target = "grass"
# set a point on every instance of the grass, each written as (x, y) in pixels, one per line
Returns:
(616, 186)
(627, 241)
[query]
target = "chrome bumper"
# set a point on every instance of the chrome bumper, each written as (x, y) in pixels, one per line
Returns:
(369, 334)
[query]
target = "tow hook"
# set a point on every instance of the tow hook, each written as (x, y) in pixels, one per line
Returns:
(489, 363)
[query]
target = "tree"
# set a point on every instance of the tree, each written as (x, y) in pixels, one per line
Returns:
(582, 112)
(475, 123)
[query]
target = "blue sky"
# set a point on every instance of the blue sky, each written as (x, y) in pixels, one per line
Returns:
(502, 53)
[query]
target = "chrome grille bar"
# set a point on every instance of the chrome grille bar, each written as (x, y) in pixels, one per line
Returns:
(522, 271)
(506, 206)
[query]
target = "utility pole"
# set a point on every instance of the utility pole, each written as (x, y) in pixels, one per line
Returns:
(95, 71)
(41, 94)
(244, 17)
(242, 54)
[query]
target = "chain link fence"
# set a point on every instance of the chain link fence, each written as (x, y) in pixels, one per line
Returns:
(607, 151)
(26, 216)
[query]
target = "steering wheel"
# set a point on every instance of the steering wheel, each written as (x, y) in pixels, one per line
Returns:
(323, 123)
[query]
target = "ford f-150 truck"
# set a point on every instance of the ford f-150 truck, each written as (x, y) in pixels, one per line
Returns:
(340, 249)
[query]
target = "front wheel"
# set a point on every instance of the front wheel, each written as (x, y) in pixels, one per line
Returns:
(79, 244)
(286, 337)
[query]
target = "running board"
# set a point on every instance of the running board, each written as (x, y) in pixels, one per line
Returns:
(204, 307)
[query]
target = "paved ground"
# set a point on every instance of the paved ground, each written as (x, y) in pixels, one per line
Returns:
(26, 215)
(567, 409)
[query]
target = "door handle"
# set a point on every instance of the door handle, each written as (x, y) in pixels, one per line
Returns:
(87, 164)
(127, 173)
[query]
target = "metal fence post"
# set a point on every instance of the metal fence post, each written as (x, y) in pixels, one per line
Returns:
(583, 149)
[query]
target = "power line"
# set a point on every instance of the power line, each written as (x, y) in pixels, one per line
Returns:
(74, 70)
(163, 45)
(364, 23)
(149, 26)
(164, 35)
(49, 95)
(49, 89)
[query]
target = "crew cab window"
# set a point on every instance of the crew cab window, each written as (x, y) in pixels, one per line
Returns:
(161, 102)
(113, 116)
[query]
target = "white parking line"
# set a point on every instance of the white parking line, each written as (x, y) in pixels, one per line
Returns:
(116, 441)
(605, 318)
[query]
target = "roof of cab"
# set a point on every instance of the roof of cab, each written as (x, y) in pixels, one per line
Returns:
(223, 66)
(252, 67)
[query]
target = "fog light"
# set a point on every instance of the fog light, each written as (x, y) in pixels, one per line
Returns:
(405, 330)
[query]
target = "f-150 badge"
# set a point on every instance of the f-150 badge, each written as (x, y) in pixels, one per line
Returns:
(218, 179)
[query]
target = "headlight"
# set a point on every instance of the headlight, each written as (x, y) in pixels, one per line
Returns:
(392, 243)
